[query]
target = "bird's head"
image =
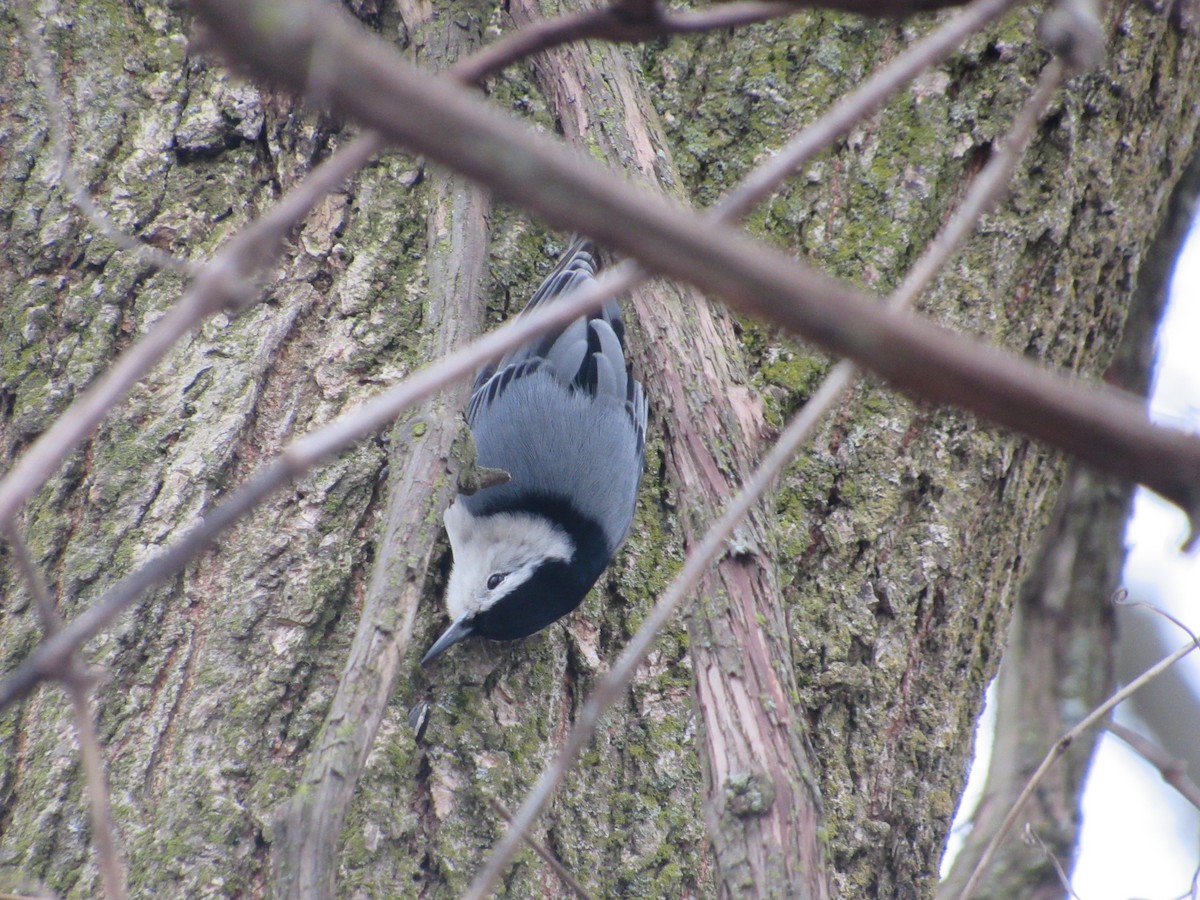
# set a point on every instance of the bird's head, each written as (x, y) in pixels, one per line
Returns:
(514, 573)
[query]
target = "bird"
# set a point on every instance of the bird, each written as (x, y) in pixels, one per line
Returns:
(564, 417)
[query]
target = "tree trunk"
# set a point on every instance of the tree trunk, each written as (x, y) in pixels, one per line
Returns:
(1061, 655)
(882, 573)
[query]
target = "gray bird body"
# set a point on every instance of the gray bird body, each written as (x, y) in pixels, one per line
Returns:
(540, 429)
(565, 419)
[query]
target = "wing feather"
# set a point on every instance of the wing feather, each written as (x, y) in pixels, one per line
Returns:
(587, 355)
(610, 360)
(566, 355)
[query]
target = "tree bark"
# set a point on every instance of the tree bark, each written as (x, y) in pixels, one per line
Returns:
(880, 578)
(1062, 652)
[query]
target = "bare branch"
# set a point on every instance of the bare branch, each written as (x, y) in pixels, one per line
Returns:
(1060, 747)
(1104, 427)
(1174, 771)
(112, 870)
(77, 683)
(559, 869)
(47, 613)
(1121, 598)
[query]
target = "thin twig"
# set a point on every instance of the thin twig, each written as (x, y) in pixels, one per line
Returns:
(112, 869)
(77, 683)
(47, 613)
(1060, 747)
(608, 24)
(1031, 838)
(1121, 598)
(549, 858)
(1173, 771)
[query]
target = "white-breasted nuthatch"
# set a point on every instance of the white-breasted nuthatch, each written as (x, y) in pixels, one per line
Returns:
(563, 416)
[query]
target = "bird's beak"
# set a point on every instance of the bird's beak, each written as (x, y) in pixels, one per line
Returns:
(460, 630)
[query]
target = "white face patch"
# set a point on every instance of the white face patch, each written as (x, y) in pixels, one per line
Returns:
(503, 550)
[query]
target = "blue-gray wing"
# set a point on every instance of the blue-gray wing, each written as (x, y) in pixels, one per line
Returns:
(588, 354)
(575, 267)
(562, 414)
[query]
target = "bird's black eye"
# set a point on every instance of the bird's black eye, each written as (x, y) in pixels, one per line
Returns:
(495, 580)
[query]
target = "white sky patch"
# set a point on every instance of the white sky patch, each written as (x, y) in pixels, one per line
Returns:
(985, 737)
(1139, 838)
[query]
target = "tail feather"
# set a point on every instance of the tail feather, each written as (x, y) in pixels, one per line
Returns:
(578, 264)
(587, 353)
